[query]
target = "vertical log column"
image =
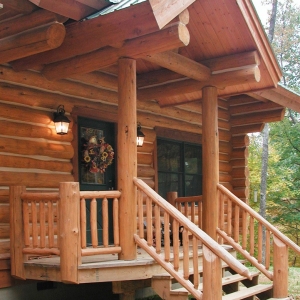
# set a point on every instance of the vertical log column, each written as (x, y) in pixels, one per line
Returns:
(69, 235)
(127, 156)
(210, 160)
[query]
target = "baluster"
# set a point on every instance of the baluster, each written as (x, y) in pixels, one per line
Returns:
(229, 217)
(176, 244)
(268, 237)
(140, 213)
(58, 223)
(93, 218)
(200, 214)
(195, 263)
(157, 228)
(149, 221)
(193, 212)
(245, 230)
(83, 222)
(50, 225)
(236, 223)
(34, 224)
(42, 224)
(116, 221)
(221, 215)
(186, 209)
(251, 236)
(26, 224)
(167, 236)
(260, 234)
(105, 221)
(185, 244)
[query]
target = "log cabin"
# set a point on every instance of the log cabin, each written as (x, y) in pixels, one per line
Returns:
(89, 206)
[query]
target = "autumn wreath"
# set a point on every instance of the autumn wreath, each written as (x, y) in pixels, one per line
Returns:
(97, 155)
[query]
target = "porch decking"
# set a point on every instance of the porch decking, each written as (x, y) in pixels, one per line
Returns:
(102, 268)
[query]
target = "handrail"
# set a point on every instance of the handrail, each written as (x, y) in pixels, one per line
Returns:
(179, 220)
(260, 219)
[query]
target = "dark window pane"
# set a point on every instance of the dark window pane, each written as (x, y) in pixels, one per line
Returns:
(192, 159)
(193, 185)
(169, 182)
(168, 154)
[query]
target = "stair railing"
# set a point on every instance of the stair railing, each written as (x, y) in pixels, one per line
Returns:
(150, 241)
(238, 223)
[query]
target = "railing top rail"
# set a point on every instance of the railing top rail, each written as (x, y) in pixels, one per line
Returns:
(189, 199)
(100, 194)
(260, 219)
(40, 196)
(196, 231)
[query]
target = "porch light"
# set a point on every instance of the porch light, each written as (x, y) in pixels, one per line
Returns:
(61, 122)
(139, 136)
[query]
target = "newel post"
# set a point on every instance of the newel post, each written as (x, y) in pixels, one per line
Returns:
(69, 231)
(16, 231)
(127, 156)
(210, 159)
(280, 272)
(212, 275)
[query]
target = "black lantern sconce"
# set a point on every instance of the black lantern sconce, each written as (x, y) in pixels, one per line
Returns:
(61, 122)
(139, 136)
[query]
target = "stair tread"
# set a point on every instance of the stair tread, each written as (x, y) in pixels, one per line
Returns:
(247, 292)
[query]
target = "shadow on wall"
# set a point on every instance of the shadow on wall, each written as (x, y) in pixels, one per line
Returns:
(59, 291)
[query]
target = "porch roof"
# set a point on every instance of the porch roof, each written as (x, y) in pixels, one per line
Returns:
(224, 40)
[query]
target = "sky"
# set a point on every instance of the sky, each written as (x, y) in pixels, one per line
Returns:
(261, 10)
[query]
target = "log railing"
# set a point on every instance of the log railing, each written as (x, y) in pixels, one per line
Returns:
(242, 228)
(213, 253)
(54, 223)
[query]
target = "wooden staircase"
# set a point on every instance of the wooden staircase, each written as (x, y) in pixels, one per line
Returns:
(234, 286)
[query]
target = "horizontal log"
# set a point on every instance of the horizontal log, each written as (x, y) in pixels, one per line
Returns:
(100, 194)
(241, 182)
(243, 99)
(220, 81)
(240, 141)
(225, 167)
(22, 6)
(165, 39)
(14, 129)
(242, 172)
(224, 135)
(237, 130)
(180, 64)
(40, 180)
(241, 192)
(4, 231)
(100, 251)
(27, 147)
(136, 21)
(240, 153)
(225, 177)
(242, 162)
(32, 163)
(259, 117)
(254, 107)
(4, 248)
(233, 62)
(225, 147)
(4, 196)
(224, 157)
(4, 213)
(31, 42)
(144, 158)
(41, 251)
(29, 21)
(145, 171)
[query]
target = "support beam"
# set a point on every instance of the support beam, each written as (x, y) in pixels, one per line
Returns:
(172, 37)
(22, 6)
(37, 18)
(68, 8)
(135, 21)
(127, 156)
(180, 64)
(34, 41)
(220, 80)
(210, 158)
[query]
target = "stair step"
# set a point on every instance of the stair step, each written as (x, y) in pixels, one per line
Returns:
(248, 292)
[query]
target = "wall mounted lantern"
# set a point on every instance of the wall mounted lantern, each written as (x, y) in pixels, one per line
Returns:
(61, 122)
(139, 136)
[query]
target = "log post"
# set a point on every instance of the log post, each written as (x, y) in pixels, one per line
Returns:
(210, 159)
(127, 156)
(280, 273)
(16, 232)
(212, 275)
(69, 231)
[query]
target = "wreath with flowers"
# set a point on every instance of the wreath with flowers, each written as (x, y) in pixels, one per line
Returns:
(97, 155)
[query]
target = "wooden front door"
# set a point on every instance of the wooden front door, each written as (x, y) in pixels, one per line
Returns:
(96, 165)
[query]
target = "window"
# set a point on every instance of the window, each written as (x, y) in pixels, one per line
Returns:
(179, 168)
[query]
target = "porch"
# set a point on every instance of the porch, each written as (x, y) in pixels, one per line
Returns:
(47, 245)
